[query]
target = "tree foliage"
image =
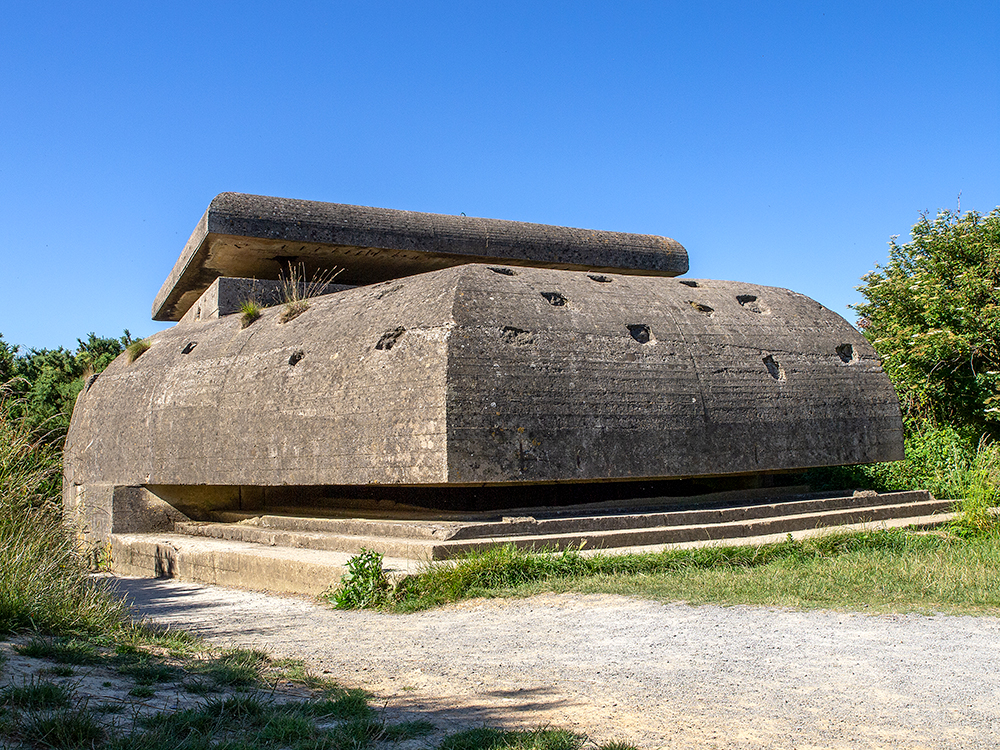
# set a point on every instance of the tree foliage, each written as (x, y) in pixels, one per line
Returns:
(44, 383)
(933, 315)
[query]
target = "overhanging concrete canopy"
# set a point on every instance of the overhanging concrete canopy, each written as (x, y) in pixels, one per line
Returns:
(257, 236)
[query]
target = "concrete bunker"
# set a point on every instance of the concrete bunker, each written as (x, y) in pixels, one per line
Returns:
(463, 365)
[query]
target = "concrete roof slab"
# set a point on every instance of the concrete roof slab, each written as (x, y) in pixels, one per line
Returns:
(259, 236)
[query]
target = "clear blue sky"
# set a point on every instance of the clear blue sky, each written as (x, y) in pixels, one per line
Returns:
(780, 143)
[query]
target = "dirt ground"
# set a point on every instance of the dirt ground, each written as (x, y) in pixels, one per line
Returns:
(657, 675)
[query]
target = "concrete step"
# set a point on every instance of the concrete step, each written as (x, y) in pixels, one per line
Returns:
(706, 533)
(544, 521)
(390, 546)
(236, 564)
(308, 555)
(589, 532)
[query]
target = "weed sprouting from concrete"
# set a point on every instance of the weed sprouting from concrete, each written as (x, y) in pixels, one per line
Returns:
(136, 349)
(296, 290)
(250, 311)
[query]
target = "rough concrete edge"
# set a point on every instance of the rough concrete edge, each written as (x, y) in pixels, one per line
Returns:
(251, 566)
(187, 256)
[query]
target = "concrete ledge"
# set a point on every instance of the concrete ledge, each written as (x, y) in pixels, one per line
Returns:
(235, 564)
(259, 236)
(257, 556)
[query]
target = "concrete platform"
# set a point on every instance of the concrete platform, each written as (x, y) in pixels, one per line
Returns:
(303, 554)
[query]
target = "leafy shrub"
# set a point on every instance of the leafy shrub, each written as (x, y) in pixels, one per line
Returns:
(933, 315)
(364, 584)
(44, 383)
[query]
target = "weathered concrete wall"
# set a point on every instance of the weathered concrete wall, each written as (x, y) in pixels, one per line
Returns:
(576, 375)
(314, 400)
(493, 374)
(257, 236)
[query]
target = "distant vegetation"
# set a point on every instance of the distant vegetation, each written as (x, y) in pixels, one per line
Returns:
(42, 384)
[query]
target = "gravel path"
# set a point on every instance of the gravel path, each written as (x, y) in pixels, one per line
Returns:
(612, 667)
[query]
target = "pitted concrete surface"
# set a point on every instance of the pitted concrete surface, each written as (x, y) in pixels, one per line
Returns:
(657, 675)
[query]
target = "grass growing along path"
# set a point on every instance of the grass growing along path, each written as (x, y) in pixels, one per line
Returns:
(896, 570)
(82, 634)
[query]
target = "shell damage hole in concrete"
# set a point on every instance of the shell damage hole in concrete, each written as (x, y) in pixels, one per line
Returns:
(692, 284)
(775, 370)
(189, 347)
(600, 278)
(90, 381)
(554, 298)
(502, 271)
(701, 308)
(517, 336)
(296, 357)
(641, 333)
(389, 338)
(846, 353)
(752, 303)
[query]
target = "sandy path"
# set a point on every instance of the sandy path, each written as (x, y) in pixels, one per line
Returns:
(611, 667)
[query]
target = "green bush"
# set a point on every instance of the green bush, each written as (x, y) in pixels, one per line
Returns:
(364, 584)
(933, 315)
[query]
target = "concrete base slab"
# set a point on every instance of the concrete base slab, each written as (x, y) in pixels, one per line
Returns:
(235, 564)
(306, 555)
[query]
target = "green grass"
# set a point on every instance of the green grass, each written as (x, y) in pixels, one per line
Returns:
(884, 570)
(44, 581)
(239, 668)
(136, 349)
(250, 311)
(68, 729)
(61, 651)
(406, 730)
(35, 695)
(253, 722)
(487, 738)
